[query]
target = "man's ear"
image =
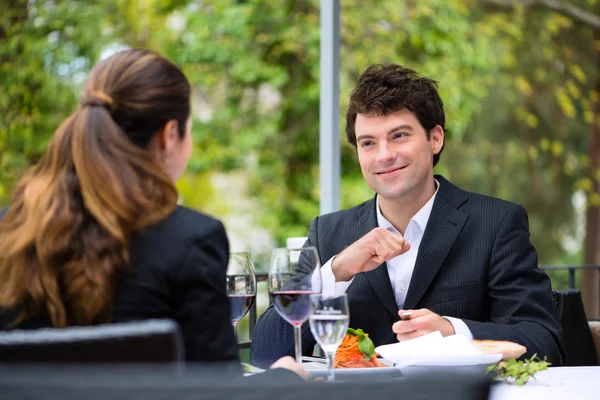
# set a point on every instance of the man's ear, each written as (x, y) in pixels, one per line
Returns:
(437, 137)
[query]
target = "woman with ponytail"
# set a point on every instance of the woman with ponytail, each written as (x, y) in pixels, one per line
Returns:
(94, 234)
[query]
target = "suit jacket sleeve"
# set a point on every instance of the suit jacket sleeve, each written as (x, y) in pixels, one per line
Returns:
(203, 309)
(273, 337)
(521, 307)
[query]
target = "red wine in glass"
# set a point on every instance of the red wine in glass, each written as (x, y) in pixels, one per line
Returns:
(294, 274)
(240, 285)
(292, 305)
(240, 304)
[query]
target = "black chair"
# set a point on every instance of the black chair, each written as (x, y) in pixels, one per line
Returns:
(149, 341)
(578, 343)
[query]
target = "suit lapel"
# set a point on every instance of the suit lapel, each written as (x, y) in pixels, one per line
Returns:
(378, 278)
(445, 224)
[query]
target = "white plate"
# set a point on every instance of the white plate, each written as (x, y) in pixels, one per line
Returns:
(321, 365)
(454, 361)
(318, 370)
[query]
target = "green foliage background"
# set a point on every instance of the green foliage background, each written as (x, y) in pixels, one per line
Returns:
(517, 83)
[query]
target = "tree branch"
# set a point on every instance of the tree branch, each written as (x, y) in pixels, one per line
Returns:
(568, 10)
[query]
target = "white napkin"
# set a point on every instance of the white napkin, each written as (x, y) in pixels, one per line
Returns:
(430, 345)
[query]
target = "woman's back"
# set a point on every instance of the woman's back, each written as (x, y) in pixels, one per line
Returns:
(178, 272)
(181, 264)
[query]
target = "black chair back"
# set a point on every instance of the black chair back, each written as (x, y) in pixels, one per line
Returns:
(578, 343)
(150, 341)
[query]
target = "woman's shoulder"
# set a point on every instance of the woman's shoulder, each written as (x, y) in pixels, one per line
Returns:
(184, 217)
(180, 230)
(187, 221)
(182, 235)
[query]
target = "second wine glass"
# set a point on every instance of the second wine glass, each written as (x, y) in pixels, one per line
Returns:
(294, 274)
(241, 285)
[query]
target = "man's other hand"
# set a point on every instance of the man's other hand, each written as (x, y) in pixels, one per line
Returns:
(421, 322)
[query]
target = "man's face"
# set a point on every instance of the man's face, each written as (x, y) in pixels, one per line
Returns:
(395, 156)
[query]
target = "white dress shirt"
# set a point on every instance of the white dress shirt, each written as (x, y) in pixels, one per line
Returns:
(399, 268)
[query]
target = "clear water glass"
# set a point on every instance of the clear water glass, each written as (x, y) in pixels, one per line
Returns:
(329, 318)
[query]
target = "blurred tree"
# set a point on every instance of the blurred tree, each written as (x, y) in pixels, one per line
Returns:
(554, 72)
(46, 50)
(518, 79)
(44, 55)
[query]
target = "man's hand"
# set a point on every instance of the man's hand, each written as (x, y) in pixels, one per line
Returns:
(368, 253)
(421, 322)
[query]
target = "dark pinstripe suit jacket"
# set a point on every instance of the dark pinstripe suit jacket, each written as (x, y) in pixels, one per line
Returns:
(475, 262)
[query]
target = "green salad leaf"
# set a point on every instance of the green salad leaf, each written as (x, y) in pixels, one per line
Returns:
(365, 344)
(518, 372)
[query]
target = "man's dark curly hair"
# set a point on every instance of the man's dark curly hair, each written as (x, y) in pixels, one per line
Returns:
(386, 88)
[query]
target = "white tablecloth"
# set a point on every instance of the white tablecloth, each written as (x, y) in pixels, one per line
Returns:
(564, 383)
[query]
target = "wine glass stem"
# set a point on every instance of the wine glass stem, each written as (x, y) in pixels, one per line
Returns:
(330, 355)
(298, 343)
(235, 330)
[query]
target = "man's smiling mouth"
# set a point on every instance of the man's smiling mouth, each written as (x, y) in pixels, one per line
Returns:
(390, 171)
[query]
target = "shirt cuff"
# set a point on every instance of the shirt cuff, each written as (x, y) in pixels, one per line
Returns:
(460, 328)
(330, 286)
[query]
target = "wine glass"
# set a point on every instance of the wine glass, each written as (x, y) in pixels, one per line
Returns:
(294, 274)
(241, 285)
(328, 319)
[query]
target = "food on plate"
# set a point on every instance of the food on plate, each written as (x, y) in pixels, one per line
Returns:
(509, 350)
(356, 351)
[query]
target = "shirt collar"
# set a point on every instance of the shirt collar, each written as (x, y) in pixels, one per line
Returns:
(420, 218)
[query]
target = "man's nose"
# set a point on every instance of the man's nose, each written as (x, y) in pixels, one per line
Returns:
(385, 153)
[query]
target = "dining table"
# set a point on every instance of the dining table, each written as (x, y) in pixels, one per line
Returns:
(555, 383)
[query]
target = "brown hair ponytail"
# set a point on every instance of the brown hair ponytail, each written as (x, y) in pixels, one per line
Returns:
(65, 241)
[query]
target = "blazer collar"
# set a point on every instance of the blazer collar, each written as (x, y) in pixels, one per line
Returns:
(444, 226)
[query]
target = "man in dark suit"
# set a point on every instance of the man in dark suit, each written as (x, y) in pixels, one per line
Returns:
(460, 262)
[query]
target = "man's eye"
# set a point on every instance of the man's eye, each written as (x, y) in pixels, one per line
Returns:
(399, 135)
(366, 143)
